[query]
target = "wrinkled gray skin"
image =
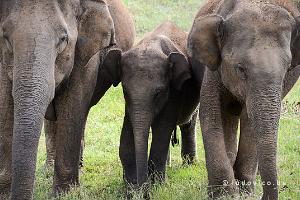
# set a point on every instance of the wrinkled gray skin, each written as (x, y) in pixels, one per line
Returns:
(160, 93)
(50, 52)
(251, 51)
(124, 35)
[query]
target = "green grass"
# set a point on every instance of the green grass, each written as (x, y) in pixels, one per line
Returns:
(102, 173)
(149, 14)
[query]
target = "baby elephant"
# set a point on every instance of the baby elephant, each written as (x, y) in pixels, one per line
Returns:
(160, 92)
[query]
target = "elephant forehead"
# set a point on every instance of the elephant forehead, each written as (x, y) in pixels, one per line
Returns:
(146, 61)
(258, 26)
(144, 70)
(261, 15)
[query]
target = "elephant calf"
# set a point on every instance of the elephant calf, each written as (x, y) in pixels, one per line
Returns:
(160, 93)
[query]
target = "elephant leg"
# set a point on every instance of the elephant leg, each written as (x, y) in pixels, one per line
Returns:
(220, 172)
(6, 133)
(127, 152)
(162, 130)
(230, 126)
(71, 119)
(245, 166)
(189, 141)
(50, 133)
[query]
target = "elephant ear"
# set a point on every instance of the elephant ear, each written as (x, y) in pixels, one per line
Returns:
(204, 42)
(95, 30)
(295, 45)
(180, 69)
(112, 66)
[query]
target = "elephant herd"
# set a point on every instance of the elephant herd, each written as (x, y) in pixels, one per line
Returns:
(58, 58)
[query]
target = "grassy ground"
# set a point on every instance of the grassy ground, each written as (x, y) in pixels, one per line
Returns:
(102, 174)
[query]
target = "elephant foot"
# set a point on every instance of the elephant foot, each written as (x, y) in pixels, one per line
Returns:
(189, 159)
(157, 177)
(61, 187)
(217, 191)
(129, 178)
(270, 196)
(157, 173)
(245, 182)
(246, 187)
(267, 197)
(138, 192)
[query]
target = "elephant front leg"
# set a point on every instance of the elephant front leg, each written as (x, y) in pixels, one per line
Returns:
(245, 166)
(68, 143)
(50, 133)
(189, 141)
(162, 129)
(220, 172)
(6, 133)
(71, 119)
(127, 153)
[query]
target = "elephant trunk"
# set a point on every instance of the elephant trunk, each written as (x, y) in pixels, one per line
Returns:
(263, 107)
(33, 89)
(141, 119)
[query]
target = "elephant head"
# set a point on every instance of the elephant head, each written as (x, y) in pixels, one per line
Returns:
(250, 50)
(41, 42)
(149, 72)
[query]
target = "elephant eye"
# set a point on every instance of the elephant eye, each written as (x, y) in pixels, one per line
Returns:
(241, 71)
(62, 43)
(63, 38)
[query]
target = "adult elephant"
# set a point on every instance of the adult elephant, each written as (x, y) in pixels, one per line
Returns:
(251, 50)
(51, 53)
(124, 35)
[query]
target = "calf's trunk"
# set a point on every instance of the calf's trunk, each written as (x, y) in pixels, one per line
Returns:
(141, 122)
